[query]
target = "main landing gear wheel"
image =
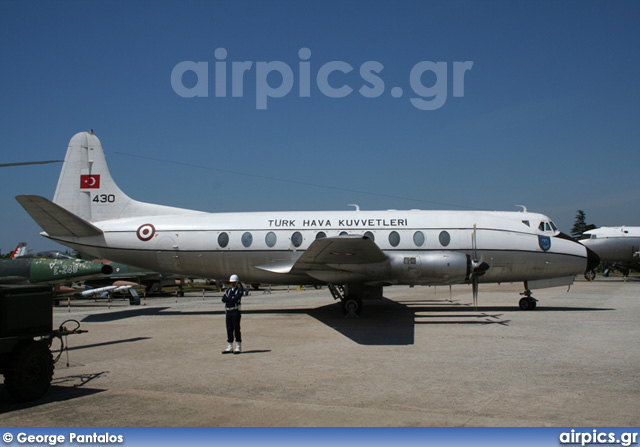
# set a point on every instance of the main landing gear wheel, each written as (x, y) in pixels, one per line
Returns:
(590, 275)
(527, 302)
(351, 306)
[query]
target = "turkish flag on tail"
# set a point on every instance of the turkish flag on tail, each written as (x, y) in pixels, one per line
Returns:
(90, 181)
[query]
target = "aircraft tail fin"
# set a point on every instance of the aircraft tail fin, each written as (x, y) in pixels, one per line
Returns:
(20, 250)
(55, 220)
(86, 188)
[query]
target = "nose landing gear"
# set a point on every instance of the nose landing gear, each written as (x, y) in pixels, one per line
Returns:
(527, 302)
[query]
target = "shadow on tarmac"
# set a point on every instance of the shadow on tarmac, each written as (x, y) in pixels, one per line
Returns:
(62, 389)
(254, 351)
(382, 322)
(106, 343)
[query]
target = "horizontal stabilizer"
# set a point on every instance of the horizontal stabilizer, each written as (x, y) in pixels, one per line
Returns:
(55, 220)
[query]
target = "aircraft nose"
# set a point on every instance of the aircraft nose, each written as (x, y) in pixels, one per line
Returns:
(593, 260)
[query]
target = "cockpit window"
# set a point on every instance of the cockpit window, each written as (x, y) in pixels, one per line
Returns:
(50, 254)
(547, 227)
(526, 222)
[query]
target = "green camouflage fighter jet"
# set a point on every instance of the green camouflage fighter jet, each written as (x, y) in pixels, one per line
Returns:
(45, 268)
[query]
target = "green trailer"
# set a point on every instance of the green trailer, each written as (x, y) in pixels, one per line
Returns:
(26, 334)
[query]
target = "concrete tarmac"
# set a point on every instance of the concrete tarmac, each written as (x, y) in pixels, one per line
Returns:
(422, 356)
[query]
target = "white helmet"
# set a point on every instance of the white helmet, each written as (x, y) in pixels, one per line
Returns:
(234, 278)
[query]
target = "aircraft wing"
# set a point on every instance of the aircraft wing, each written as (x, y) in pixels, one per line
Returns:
(12, 279)
(55, 220)
(340, 250)
(325, 252)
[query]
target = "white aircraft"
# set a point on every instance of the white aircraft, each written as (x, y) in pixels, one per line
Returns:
(108, 290)
(354, 252)
(617, 247)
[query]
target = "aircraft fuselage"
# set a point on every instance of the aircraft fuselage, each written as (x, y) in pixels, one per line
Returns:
(423, 247)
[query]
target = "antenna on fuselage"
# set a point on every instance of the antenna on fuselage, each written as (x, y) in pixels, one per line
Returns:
(524, 208)
(356, 205)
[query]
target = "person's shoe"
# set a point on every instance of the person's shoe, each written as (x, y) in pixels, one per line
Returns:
(238, 348)
(229, 349)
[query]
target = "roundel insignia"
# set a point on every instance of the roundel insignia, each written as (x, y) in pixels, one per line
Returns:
(544, 242)
(146, 232)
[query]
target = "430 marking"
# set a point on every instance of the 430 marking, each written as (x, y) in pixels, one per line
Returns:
(104, 198)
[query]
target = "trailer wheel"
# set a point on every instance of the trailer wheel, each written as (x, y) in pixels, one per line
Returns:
(30, 371)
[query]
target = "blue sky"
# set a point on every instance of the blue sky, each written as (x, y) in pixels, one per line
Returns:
(549, 116)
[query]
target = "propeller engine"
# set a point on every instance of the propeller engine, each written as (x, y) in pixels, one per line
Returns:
(477, 267)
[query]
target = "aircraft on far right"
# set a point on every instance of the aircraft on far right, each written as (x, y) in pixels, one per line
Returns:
(618, 248)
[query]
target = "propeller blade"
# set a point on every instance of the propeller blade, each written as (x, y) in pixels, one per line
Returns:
(475, 292)
(478, 266)
(474, 244)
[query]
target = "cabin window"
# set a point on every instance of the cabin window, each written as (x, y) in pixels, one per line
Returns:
(344, 233)
(370, 235)
(247, 239)
(418, 238)
(223, 240)
(296, 239)
(321, 235)
(444, 238)
(270, 239)
(394, 238)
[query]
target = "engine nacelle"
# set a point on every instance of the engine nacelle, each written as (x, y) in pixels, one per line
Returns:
(435, 267)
